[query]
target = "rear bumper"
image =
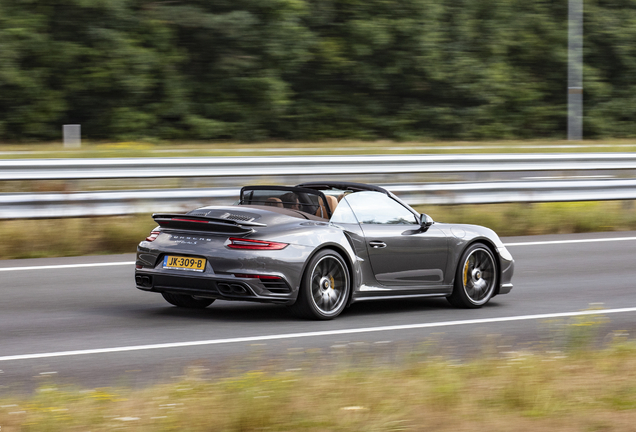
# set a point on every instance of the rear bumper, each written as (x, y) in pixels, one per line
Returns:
(219, 287)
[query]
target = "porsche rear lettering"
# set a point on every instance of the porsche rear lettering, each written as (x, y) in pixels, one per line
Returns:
(189, 239)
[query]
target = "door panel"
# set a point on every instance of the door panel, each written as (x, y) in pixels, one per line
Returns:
(409, 257)
(399, 252)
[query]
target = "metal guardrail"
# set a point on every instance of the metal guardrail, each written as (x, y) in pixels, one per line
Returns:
(287, 169)
(77, 169)
(103, 203)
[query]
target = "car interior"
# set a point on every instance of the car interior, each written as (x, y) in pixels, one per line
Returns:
(313, 202)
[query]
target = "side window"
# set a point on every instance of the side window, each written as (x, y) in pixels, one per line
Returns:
(343, 214)
(377, 208)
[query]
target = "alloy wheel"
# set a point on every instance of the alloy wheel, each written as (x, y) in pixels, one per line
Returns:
(329, 284)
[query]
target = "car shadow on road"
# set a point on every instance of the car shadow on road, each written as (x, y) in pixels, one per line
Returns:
(396, 306)
(226, 312)
(390, 306)
(265, 313)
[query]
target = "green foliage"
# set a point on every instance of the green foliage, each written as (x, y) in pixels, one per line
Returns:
(310, 69)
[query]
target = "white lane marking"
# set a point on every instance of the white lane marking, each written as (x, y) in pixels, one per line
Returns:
(64, 266)
(314, 334)
(570, 241)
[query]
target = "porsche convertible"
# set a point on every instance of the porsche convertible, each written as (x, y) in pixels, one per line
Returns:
(319, 247)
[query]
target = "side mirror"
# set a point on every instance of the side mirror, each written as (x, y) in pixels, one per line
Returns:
(426, 221)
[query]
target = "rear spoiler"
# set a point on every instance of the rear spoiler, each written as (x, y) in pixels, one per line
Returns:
(204, 223)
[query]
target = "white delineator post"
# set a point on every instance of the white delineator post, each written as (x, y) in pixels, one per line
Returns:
(72, 136)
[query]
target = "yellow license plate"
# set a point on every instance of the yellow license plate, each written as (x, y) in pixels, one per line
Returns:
(184, 263)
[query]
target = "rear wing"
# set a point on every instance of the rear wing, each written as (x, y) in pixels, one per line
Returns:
(204, 223)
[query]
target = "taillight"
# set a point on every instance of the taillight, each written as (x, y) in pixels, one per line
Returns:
(243, 243)
(153, 235)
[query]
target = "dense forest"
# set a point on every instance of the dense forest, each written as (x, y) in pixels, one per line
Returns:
(310, 69)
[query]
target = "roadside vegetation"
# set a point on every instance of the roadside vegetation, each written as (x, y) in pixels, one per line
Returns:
(567, 386)
(160, 148)
(253, 70)
(517, 219)
(73, 237)
(120, 234)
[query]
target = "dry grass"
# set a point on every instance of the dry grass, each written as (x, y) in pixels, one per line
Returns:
(541, 218)
(120, 234)
(156, 148)
(72, 237)
(523, 391)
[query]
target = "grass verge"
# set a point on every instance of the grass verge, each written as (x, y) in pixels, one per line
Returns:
(72, 237)
(120, 234)
(273, 148)
(584, 390)
(516, 219)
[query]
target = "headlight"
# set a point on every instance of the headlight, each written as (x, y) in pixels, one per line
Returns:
(503, 252)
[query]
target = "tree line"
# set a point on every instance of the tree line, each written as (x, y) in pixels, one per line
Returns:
(311, 69)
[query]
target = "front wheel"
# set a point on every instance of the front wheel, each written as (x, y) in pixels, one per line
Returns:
(325, 287)
(187, 301)
(475, 279)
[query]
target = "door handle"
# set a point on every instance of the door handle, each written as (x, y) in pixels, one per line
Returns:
(375, 244)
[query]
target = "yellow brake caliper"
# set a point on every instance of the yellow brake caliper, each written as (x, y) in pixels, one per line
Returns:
(466, 272)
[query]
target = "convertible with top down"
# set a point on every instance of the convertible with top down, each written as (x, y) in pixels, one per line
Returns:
(319, 247)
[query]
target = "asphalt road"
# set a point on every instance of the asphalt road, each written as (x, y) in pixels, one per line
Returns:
(64, 310)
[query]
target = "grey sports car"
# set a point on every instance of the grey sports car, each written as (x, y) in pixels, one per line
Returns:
(318, 247)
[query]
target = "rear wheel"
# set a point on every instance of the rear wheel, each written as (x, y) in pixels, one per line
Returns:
(325, 287)
(187, 301)
(475, 278)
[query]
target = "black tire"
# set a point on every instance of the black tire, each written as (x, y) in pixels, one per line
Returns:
(324, 288)
(476, 278)
(187, 301)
